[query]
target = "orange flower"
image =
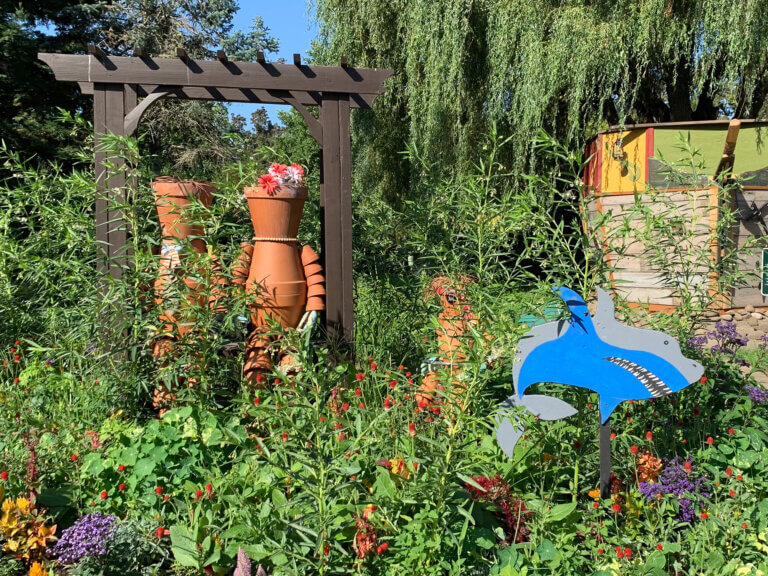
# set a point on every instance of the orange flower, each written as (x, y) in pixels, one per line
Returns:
(648, 467)
(594, 494)
(37, 570)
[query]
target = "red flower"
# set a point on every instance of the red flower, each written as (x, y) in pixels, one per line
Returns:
(4, 476)
(744, 525)
(392, 384)
(731, 431)
(16, 358)
(732, 493)
(728, 472)
(710, 440)
(166, 498)
(687, 466)
(361, 406)
(121, 468)
(387, 403)
(595, 505)
(73, 458)
(103, 494)
(121, 487)
(415, 465)
(627, 552)
(703, 380)
(278, 169)
(256, 401)
(660, 546)
(704, 515)
(358, 392)
(739, 477)
(198, 494)
(649, 435)
(407, 374)
(345, 406)
(619, 553)
(374, 365)
(209, 489)
(159, 490)
(268, 182)
(382, 548)
(259, 377)
(616, 508)
(600, 551)
(359, 376)
(633, 449)
(412, 429)
(285, 437)
(613, 435)
(160, 532)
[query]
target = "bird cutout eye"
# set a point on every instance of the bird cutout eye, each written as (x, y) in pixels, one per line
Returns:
(666, 342)
(451, 298)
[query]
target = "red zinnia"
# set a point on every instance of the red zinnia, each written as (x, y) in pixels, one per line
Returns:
(198, 494)
(710, 440)
(209, 490)
(382, 548)
(103, 494)
(285, 437)
(728, 472)
(358, 392)
(256, 401)
(600, 551)
(361, 406)
(633, 449)
(4, 476)
(649, 435)
(159, 490)
(268, 182)
(687, 466)
(73, 457)
(704, 515)
(159, 532)
(731, 431)
(387, 403)
(121, 468)
(359, 376)
(412, 429)
(616, 508)
(345, 406)
(627, 552)
(744, 525)
(121, 487)
(732, 493)
(374, 365)
(660, 547)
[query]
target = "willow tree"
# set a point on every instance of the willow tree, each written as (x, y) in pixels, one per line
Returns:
(568, 67)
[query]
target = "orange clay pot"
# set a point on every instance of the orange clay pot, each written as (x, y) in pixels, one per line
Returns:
(172, 199)
(276, 277)
(455, 319)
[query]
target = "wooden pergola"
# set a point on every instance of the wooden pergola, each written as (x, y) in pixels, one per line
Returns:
(117, 84)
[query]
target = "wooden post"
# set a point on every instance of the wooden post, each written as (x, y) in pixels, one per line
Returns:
(605, 460)
(109, 108)
(336, 207)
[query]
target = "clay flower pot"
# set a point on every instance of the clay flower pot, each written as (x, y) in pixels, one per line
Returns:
(276, 278)
(172, 199)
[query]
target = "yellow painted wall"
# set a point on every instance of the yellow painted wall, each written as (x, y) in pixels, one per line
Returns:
(626, 173)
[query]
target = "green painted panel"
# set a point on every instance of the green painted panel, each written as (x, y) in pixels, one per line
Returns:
(751, 149)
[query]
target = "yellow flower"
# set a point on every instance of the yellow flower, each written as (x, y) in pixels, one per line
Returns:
(594, 494)
(23, 505)
(8, 505)
(37, 570)
(397, 466)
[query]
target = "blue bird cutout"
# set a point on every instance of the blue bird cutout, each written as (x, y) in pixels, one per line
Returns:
(616, 361)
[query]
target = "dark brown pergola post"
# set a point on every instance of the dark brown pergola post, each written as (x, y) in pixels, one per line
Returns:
(117, 82)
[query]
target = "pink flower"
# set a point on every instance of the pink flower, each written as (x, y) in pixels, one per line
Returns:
(278, 170)
(268, 182)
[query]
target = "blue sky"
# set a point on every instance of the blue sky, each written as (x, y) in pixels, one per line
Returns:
(289, 22)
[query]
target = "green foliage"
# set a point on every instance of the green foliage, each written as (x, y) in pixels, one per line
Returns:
(565, 67)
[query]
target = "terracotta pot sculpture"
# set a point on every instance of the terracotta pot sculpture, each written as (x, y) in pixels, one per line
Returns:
(173, 198)
(455, 320)
(285, 281)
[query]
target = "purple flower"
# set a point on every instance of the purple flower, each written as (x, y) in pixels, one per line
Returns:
(88, 536)
(681, 480)
(698, 342)
(756, 394)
